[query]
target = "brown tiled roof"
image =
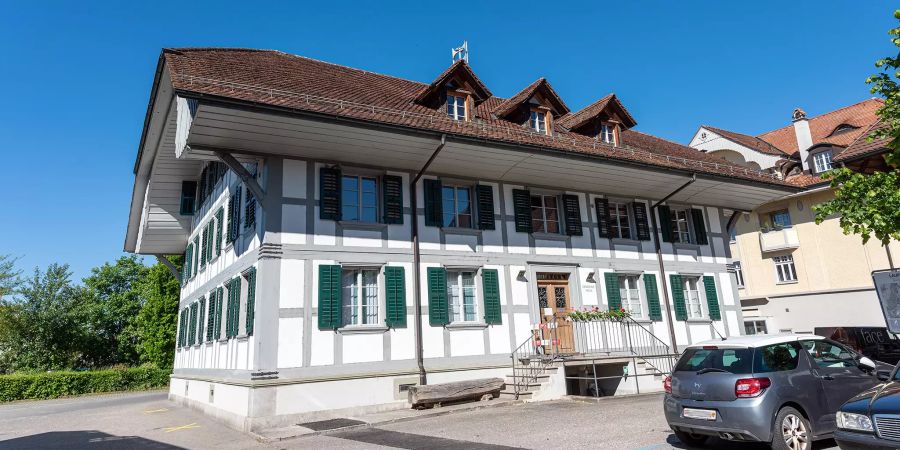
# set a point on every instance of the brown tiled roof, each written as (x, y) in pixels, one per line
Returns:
(751, 142)
(577, 119)
(805, 180)
(859, 115)
(524, 95)
(280, 80)
(863, 146)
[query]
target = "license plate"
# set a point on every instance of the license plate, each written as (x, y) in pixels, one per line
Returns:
(702, 414)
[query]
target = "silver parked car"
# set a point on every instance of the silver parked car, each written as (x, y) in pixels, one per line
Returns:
(780, 389)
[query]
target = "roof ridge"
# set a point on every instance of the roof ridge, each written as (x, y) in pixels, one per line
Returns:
(355, 69)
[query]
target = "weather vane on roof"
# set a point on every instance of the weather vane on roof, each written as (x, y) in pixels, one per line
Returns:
(461, 52)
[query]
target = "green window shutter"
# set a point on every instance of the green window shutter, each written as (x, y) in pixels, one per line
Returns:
(211, 316)
(184, 264)
(699, 226)
(392, 198)
(249, 210)
(395, 296)
(654, 311)
(640, 220)
(235, 220)
(217, 333)
(330, 193)
(229, 235)
(438, 315)
(251, 300)
(601, 206)
(204, 238)
(180, 328)
(484, 197)
(712, 299)
(433, 207)
(491, 288)
(678, 297)
(522, 210)
(192, 329)
(665, 222)
(329, 297)
(196, 253)
(614, 298)
(234, 312)
(200, 321)
(220, 220)
(572, 211)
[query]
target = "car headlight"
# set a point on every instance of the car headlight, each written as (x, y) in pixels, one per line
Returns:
(856, 422)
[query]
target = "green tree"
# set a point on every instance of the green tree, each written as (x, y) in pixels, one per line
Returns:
(9, 276)
(158, 320)
(869, 205)
(40, 327)
(110, 303)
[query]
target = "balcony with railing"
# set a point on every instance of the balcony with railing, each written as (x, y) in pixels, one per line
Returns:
(778, 239)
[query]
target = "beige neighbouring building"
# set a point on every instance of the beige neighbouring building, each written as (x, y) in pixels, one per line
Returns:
(792, 274)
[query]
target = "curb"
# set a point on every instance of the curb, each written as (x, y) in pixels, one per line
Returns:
(437, 413)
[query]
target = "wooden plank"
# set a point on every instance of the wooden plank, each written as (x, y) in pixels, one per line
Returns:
(435, 394)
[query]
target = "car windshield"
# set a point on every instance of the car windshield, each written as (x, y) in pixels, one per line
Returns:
(732, 360)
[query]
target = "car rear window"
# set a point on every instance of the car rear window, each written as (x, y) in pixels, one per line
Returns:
(776, 358)
(734, 360)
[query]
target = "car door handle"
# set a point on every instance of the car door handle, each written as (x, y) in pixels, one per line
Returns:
(827, 377)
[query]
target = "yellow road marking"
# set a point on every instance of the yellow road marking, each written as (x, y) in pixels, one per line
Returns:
(151, 411)
(183, 427)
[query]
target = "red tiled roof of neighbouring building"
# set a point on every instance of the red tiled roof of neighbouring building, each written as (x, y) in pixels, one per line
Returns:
(859, 115)
(280, 80)
(864, 145)
(541, 84)
(587, 113)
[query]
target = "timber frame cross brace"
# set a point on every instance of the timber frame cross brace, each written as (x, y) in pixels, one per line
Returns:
(243, 174)
(166, 262)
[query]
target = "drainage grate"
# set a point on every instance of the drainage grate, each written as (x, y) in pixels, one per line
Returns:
(331, 424)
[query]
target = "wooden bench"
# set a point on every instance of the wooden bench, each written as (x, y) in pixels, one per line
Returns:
(437, 394)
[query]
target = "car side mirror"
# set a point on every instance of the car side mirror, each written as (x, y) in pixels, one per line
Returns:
(883, 375)
(866, 363)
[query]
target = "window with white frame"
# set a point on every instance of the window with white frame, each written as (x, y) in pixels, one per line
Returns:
(752, 327)
(681, 227)
(456, 107)
(545, 213)
(739, 274)
(692, 298)
(538, 121)
(620, 222)
(461, 295)
(608, 133)
(822, 161)
(359, 198)
(359, 297)
(784, 269)
(456, 206)
(631, 295)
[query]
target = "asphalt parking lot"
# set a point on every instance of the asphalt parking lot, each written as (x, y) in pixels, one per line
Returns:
(150, 421)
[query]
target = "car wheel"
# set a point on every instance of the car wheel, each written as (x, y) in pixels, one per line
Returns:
(791, 431)
(693, 440)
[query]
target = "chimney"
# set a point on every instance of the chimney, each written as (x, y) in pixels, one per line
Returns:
(804, 137)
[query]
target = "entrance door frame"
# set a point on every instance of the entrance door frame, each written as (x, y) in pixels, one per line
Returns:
(574, 287)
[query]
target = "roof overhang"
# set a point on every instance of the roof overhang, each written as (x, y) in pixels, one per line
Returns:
(187, 128)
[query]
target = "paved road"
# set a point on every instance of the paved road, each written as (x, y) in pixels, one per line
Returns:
(149, 421)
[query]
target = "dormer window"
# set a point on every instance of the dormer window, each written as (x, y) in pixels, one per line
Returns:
(538, 121)
(843, 128)
(822, 161)
(608, 133)
(456, 106)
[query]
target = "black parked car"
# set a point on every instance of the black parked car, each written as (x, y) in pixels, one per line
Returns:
(871, 419)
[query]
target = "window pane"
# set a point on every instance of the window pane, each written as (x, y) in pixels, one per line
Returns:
(349, 297)
(463, 200)
(453, 295)
(468, 289)
(370, 297)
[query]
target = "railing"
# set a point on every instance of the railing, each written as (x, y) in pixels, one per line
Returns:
(593, 340)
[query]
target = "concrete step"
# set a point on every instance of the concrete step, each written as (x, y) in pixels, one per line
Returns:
(509, 395)
(538, 377)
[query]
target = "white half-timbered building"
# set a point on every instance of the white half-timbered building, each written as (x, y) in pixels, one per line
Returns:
(292, 187)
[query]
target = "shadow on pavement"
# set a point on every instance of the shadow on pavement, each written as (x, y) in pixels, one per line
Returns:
(82, 439)
(716, 443)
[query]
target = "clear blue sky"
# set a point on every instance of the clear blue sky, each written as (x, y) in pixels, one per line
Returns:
(75, 78)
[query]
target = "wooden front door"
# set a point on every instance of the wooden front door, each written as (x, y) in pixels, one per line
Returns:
(553, 298)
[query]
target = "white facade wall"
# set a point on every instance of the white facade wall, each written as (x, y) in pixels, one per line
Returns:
(302, 369)
(713, 142)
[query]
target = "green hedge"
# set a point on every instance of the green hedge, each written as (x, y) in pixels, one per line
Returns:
(60, 384)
